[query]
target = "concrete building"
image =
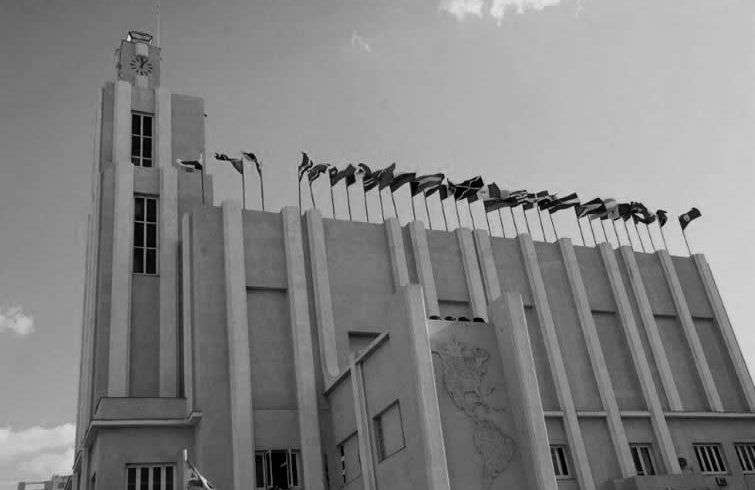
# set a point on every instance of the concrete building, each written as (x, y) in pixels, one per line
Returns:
(56, 482)
(298, 351)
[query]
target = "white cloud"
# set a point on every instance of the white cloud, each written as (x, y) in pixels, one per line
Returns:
(34, 440)
(36, 453)
(13, 319)
(358, 41)
(461, 9)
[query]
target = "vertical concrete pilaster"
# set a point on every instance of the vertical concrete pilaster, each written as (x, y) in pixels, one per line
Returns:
(239, 363)
(364, 434)
(120, 304)
(168, 227)
(122, 124)
(632, 335)
(397, 254)
(597, 359)
(556, 363)
(436, 464)
(727, 332)
(651, 329)
(512, 336)
(424, 266)
(304, 363)
(472, 273)
(690, 332)
(326, 328)
(187, 313)
(487, 264)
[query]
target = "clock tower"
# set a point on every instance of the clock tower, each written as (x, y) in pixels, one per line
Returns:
(138, 60)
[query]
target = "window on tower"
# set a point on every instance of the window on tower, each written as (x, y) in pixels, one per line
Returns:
(145, 235)
(141, 139)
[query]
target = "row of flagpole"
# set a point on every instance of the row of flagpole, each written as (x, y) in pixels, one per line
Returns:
(471, 190)
(494, 199)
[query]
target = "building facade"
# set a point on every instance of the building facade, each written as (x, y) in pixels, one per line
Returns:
(295, 351)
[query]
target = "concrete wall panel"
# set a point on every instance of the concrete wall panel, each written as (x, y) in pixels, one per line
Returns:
(619, 362)
(448, 268)
(144, 365)
(264, 255)
(721, 366)
(682, 365)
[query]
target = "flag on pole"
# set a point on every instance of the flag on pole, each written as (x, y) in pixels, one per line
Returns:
(662, 217)
(564, 202)
(190, 165)
(468, 189)
(236, 162)
(315, 171)
(686, 218)
(192, 477)
(441, 189)
(350, 174)
(401, 179)
(590, 207)
(425, 182)
(641, 214)
(253, 158)
(304, 166)
(385, 176)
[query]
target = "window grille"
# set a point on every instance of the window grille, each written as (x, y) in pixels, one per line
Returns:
(145, 235)
(141, 139)
(560, 459)
(709, 458)
(643, 459)
(746, 456)
(149, 477)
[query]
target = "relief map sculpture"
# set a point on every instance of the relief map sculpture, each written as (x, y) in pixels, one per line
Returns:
(463, 370)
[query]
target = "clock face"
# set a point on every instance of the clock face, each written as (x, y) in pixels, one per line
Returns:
(141, 65)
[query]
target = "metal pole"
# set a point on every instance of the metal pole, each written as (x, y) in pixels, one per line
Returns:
(243, 184)
(629, 235)
(427, 211)
(605, 234)
(553, 224)
(652, 242)
(665, 245)
(312, 195)
(443, 210)
(382, 210)
(393, 200)
(579, 225)
(487, 219)
(262, 187)
(500, 218)
(201, 174)
(592, 232)
(526, 222)
(414, 211)
(540, 219)
(348, 201)
(458, 217)
(366, 208)
(684, 234)
(639, 236)
(516, 227)
(299, 196)
(471, 216)
(613, 224)
(332, 202)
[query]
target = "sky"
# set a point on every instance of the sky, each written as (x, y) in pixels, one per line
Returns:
(644, 100)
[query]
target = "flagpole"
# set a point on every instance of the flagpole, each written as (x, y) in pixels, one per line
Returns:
(500, 218)
(579, 225)
(299, 196)
(201, 173)
(427, 210)
(332, 201)
(414, 211)
(639, 236)
(262, 186)
(526, 222)
(366, 208)
(516, 227)
(471, 216)
(613, 224)
(553, 224)
(540, 219)
(684, 234)
(243, 183)
(490, 230)
(663, 235)
(458, 217)
(348, 200)
(629, 235)
(592, 232)
(382, 210)
(312, 195)
(605, 233)
(443, 210)
(652, 242)
(393, 200)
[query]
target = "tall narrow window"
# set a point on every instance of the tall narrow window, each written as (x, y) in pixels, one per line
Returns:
(145, 235)
(710, 459)
(149, 477)
(141, 139)
(560, 460)
(348, 451)
(643, 459)
(389, 431)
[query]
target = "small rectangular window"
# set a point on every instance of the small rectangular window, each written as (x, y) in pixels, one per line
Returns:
(643, 459)
(389, 431)
(145, 235)
(141, 139)
(746, 456)
(149, 477)
(560, 460)
(277, 468)
(710, 459)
